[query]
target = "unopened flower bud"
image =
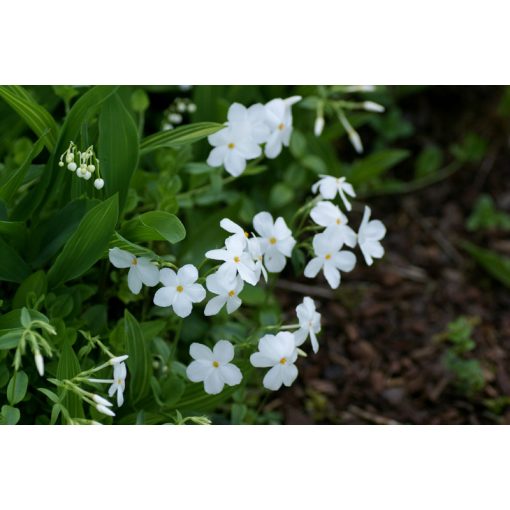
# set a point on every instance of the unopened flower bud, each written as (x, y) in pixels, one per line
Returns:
(105, 410)
(99, 184)
(39, 363)
(100, 400)
(319, 126)
(69, 157)
(181, 107)
(192, 108)
(356, 141)
(60, 163)
(176, 118)
(71, 166)
(87, 175)
(118, 359)
(91, 168)
(370, 106)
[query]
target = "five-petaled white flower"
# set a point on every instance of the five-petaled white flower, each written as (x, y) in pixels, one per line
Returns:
(213, 367)
(329, 215)
(250, 122)
(309, 323)
(236, 260)
(276, 240)
(141, 269)
(227, 293)
(180, 290)
(278, 352)
(328, 186)
(255, 251)
(233, 228)
(330, 259)
(119, 382)
(279, 120)
(369, 235)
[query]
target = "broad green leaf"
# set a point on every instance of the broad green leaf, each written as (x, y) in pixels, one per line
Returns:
(30, 289)
(179, 136)
(37, 117)
(118, 147)
(17, 388)
(496, 265)
(15, 180)
(10, 415)
(87, 244)
(12, 319)
(68, 367)
(375, 165)
(10, 340)
(139, 362)
(12, 267)
(155, 226)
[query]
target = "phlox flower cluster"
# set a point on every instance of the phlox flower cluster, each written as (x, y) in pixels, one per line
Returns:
(248, 129)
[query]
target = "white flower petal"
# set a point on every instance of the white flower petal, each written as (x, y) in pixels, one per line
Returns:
(120, 258)
(332, 275)
(217, 156)
(289, 373)
(233, 303)
(231, 374)
(214, 305)
(313, 267)
(168, 277)
(274, 261)
(187, 274)
(164, 296)
(200, 352)
(182, 305)
(273, 380)
(134, 280)
(263, 224)
(235, 164)
(223, 351)
(213, 384)
(195, 292)
(148, 272)
(198, 371)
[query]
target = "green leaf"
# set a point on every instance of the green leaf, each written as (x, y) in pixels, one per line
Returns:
(118, 148)
(10, 340)
(12, 267)
(68, 367)
(375, 165)
(37, 117)
(155, 226)
(179, 136)
(15, 180)
(30, 289)
(17, 388)
(10, 415)
(88, 243)
(496, 265)
(139, 361)
(119, 242)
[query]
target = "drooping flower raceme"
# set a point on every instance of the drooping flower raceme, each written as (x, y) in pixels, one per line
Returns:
(330, 259)
(119, 382)
(278, 352)
(276, 240)
(328, 186)
(180, 290)
(279, 119)
(309, 323)
(329, 215)
(141, 269)
(213, 367)
(370, 234)
(227, 293)
(236, 260)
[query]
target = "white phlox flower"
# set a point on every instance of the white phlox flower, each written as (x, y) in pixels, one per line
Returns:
(227, 293)
(278, 352)
(370, 234)
(235, 260)
(119, 382)
(257, 255)
(213, 367)
(329, 215)
(330, 259)
(328, 186)
(141, 269)
(180, 290)
(249, 122)
(279, 120)
(309, 323)
(276, 240)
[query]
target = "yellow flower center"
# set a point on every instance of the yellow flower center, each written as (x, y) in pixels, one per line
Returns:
(180, 288)
(281, 126)
(134, 262)
(338, 221)
(328, 256)
(231, 146)
(237, 259)
(231, 293)
(215, 364)
(283, 361)
(246, 235)
(272, 240)
(119, 382)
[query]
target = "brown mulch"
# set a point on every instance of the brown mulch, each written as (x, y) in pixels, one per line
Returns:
(380, 360)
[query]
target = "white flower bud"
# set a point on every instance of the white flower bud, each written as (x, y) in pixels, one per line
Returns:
(118, 359)
(71, 166)
(181, 107)
(176, 118)
(356, 141)
(87, 175)
(100, 400)
(192, 108)
(80, 172)
(99, 184)
(319, 126)
(60, 163)
(91, 168)
(69, 157)
(39, 363)
(167, 126)
(370, 106)
(105, 410)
